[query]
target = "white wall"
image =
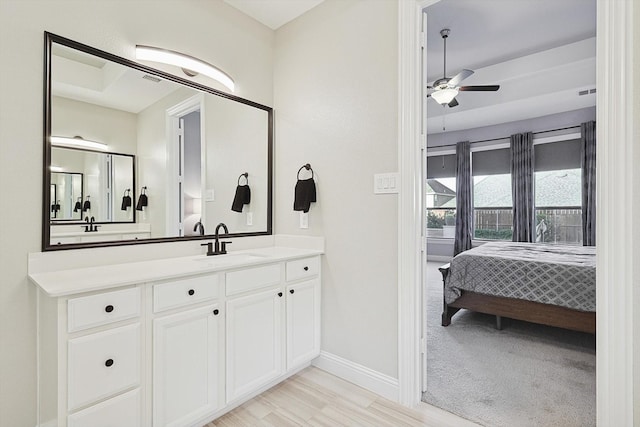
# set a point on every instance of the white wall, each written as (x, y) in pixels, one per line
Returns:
(335, 92)
(210, 30)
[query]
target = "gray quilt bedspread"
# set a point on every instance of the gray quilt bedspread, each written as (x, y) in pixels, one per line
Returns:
(551, 274)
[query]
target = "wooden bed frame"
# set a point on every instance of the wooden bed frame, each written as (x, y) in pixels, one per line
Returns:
(535, 312)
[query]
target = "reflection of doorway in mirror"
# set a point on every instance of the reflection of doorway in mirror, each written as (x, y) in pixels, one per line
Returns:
(184, 198)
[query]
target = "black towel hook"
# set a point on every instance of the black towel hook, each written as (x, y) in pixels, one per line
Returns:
(143, 190)
(307, 167)
(246, 176)
(128, 190)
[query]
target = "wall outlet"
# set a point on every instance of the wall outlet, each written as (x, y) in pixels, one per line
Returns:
(249, 218)
(304, 219)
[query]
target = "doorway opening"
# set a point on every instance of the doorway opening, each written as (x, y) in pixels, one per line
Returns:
(186, 154)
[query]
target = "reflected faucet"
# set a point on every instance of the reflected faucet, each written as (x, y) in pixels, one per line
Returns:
(199, 226)
(90, 227)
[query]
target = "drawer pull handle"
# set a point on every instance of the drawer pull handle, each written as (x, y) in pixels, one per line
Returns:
(108, 363)
(215, 312)
(108, 308)
(191, 292)
(280, 294)
(291, 291)
(306, 268)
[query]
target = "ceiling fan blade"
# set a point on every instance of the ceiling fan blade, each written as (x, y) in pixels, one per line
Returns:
(459, 77)
(453, 103)
(485, 88)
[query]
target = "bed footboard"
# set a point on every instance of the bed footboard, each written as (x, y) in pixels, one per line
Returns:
(447, 312)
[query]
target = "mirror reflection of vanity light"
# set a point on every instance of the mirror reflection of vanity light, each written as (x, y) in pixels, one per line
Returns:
(190, 66)
(56, 168)
(78, 141)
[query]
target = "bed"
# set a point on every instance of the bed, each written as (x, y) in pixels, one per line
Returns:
(552, 285)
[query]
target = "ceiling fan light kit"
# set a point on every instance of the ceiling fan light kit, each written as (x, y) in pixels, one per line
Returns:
(444, 96)
(446, 89)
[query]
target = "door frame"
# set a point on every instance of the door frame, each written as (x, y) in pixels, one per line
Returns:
(618, 233)
(173, 117)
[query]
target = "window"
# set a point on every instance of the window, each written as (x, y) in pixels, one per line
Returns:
(441, 196)
(492, 205)
(558, 192)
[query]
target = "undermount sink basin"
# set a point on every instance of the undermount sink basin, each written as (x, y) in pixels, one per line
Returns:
(226, 259)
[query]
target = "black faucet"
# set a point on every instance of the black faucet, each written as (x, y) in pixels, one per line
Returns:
(220, 247)
(199, 226)
(91, 226)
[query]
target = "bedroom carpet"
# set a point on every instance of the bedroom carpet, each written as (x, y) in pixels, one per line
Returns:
(524, 375)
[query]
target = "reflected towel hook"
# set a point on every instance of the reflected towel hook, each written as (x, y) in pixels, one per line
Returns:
(128, 190)
(246, 176)
(307, 167)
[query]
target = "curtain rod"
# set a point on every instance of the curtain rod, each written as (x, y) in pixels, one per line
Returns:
(506, 137)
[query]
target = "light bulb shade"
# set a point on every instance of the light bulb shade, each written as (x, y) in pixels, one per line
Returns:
(62, 141)
(444, 96)
(164, 56)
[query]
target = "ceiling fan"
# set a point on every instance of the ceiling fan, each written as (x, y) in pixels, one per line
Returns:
(446, 89)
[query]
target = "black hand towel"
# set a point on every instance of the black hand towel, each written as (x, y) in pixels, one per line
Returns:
(142, 201)
(78, 206)
(86, 206)
(305, 193)
(126, 202)
(242, 197)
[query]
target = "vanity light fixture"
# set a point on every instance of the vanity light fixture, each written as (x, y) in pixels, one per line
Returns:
(444, 96)
(56, 168)
(77, 141)
(190, 66)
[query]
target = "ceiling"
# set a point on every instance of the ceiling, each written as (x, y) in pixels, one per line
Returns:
(274, 13)
(541, 53)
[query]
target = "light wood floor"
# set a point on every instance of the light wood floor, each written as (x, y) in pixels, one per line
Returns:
(316, 398)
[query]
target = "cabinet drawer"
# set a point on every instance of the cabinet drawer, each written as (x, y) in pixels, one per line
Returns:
(100, 309)
(252, 278)
(123, 410)
(102, 364)
(302, 268)
(182, 292)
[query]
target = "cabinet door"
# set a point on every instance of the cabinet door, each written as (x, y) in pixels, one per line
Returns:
(254, 341)
(185, 366)
(303, 322)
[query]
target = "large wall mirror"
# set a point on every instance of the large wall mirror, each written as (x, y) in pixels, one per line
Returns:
(136, 155)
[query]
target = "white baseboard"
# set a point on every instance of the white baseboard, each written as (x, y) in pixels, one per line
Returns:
(438, 258)
(367, 378)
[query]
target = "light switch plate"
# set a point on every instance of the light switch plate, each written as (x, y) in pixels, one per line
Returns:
(209, 195)
(304, 220)
(386, 183)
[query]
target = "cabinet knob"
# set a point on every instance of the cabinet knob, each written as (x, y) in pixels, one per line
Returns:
(108, 308)
(215, 312)
(280, 294)
(306, 268)
(291, 291)
(191, 292)
(108, 363)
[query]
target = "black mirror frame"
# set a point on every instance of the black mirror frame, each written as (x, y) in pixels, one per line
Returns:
(49, 39)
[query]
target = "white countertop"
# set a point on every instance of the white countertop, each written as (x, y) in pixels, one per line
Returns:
(73, 281)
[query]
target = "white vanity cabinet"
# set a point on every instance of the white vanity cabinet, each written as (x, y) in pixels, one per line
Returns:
(91, 359)
(180, 344)
(187, 347)
(272, 330)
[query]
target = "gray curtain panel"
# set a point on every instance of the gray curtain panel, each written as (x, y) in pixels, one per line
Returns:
(588, 159)
(522, 187)
(464, 208)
